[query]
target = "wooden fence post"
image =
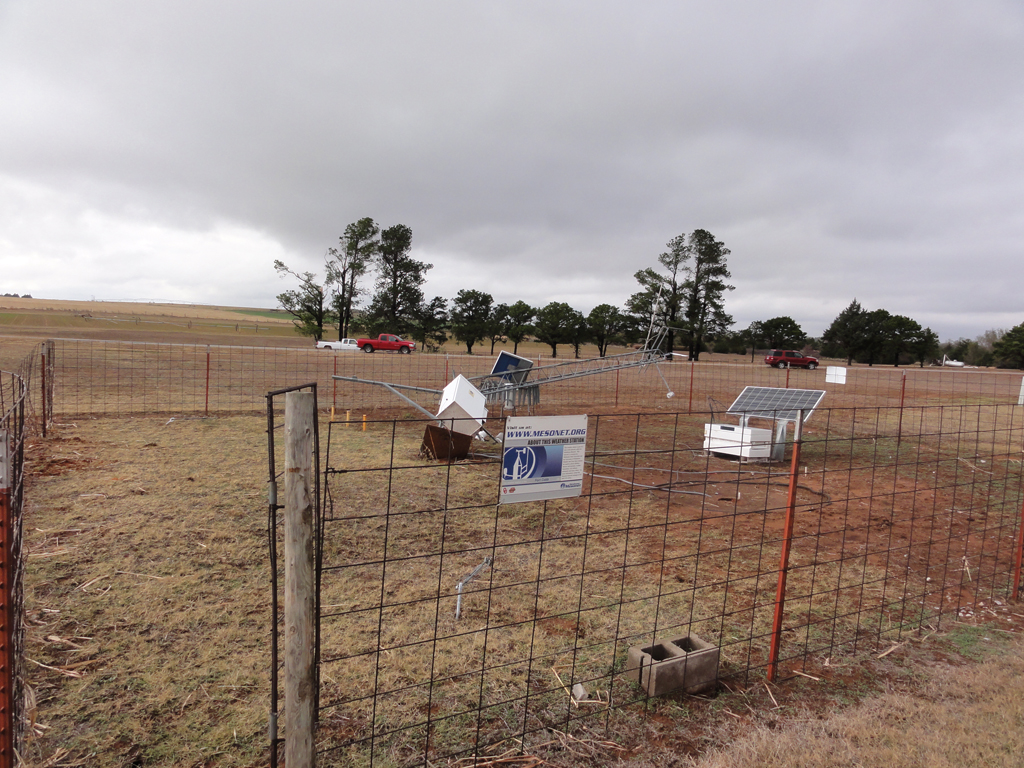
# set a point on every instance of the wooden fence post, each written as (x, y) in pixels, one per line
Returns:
(299, 671)
(8, 681)
(206, 408)
(43, 402)
(1019, 557)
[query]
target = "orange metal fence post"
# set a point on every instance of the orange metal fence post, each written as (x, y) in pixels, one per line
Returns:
(334, 382)
(787, 543)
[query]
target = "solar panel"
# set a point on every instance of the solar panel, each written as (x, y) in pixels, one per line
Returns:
(775, 403)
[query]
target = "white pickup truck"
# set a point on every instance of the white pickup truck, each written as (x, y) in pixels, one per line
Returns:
(344, 345)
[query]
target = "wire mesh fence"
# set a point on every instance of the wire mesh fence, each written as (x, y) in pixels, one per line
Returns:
(20, 414)
(124, 378)
(454, 626)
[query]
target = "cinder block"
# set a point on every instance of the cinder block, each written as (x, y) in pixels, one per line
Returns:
(689, 664)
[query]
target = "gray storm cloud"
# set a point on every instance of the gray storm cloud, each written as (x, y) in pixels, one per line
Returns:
(539, 151)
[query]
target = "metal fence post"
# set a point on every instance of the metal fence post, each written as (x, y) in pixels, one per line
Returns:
(689, 408)
(42, 399)
(787, 543)
(206, 408)
(8, 662)
(299, 667)
(899, 427)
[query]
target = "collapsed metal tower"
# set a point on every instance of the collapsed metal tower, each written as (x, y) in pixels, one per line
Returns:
(521, 387)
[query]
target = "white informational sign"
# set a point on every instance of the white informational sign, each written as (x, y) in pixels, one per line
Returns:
(543, 458)
(1020, 400)
(835, 374)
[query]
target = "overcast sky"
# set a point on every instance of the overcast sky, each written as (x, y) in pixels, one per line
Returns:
(538, 150)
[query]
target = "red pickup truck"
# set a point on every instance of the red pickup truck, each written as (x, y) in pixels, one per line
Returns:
(387, 342)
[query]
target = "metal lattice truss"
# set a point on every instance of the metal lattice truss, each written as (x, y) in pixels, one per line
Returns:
(516, 389)
(498, 387)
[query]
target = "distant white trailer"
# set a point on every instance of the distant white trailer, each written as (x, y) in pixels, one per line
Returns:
(946, 362)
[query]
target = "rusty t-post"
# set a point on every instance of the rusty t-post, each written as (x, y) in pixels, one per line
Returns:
(787, 543)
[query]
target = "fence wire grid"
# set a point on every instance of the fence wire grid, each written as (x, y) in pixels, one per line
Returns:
(128, 378)
(21, 414)
(908, 506)
(905, 519)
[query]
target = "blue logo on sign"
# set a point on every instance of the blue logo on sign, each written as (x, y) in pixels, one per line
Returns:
(531, 462)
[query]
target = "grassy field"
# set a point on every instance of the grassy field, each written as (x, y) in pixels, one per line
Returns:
(202, 324)
(147, 596)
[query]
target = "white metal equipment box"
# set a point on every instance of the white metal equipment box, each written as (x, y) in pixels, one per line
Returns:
(463, 407)
(743, 442)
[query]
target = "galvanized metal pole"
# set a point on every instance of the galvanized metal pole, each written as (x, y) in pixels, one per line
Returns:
(787, 544)
(299, 669)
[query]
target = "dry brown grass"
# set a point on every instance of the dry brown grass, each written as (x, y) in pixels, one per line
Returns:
(133, 309)
(148, 590)
(959, 717)
(147, 593)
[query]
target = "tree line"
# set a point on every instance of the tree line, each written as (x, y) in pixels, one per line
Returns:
(685, 293)
(686, 296)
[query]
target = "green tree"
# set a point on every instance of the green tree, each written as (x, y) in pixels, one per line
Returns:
(497, 325)
(308, 304)
(520, 323)
(876, 333)
(689, 298)
(925, 346)
(605, 323)
(555, 325)
(730, 343)
(1009, 349)
(902, 336)
(704, 288)
(347, 264)
(579, 332)
(471, 311)
(660, 300)
(783, 333)
(430, 321)
(845, 336)
(399, 291)
(753, 335)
